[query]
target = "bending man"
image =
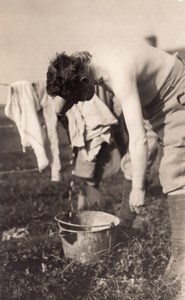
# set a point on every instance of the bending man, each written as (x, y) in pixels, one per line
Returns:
(149, 83)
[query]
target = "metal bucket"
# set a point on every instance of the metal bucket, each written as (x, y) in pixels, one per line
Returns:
(87, 235)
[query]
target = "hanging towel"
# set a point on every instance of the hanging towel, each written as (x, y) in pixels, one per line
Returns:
(50, 122)
(21, 107)
(89, 120)
(89, 129)
(32, 110)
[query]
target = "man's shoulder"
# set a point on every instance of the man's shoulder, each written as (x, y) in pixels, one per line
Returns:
(113, 52)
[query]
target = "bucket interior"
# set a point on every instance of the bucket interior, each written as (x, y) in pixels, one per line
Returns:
(87, 221)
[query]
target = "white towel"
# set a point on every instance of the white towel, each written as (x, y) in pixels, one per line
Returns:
(46, 104)
(21, 107)
(89, 126)
(32, 110)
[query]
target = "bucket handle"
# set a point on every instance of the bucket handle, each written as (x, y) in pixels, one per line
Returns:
(111, 225)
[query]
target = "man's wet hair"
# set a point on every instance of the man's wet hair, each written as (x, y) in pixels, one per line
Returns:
(64, 73)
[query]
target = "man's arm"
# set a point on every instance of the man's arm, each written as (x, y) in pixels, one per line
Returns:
(126, 91)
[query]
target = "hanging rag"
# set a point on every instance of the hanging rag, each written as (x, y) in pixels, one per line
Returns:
(48, 119)
(30, 108)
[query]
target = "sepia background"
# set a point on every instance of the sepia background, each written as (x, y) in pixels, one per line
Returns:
(33, 31)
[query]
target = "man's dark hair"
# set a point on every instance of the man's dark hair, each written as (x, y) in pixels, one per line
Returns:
(64, 73)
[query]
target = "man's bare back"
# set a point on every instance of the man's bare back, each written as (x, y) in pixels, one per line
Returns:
(149, 67)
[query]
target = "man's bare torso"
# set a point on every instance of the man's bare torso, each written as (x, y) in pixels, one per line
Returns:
(148, 66)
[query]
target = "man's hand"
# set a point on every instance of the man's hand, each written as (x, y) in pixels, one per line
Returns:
(137, 200)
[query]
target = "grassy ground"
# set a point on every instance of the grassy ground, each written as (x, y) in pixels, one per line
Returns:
(34, 266)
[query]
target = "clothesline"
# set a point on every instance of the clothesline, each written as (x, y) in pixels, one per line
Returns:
(7, 126)
(5, 84)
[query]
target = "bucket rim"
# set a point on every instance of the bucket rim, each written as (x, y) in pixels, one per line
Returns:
(110, 225)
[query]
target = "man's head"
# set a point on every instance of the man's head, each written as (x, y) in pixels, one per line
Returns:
(70, 77)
